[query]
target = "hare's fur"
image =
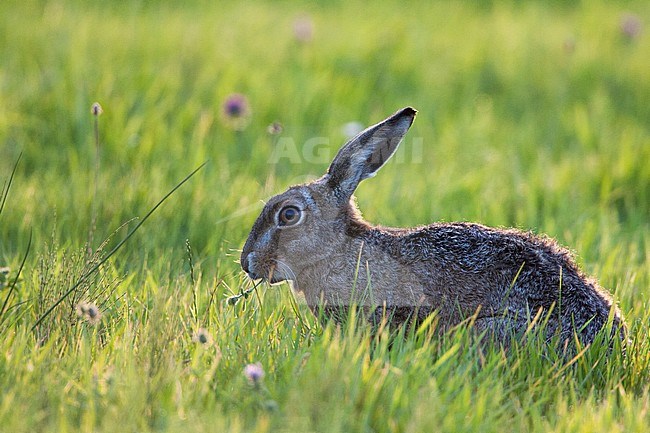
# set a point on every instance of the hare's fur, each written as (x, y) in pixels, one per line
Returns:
(502, 278)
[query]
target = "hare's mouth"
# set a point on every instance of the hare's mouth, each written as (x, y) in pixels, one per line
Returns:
(272, 277)
(279, 272)
(273, 273)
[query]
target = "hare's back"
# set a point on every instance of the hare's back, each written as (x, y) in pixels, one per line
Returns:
(473, 265)
(475, 248)
(483, 265)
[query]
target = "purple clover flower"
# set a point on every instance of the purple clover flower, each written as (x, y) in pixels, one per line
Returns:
(254, 373)
(303, 28)
(236, 111)
(631, 26)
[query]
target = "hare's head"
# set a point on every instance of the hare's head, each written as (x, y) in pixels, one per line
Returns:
(307, 223)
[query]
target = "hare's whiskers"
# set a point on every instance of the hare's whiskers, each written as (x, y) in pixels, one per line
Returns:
(286, 270)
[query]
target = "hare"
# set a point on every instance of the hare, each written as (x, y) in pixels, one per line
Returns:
(313, 236)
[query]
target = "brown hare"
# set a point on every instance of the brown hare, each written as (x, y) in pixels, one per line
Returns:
(313, 236)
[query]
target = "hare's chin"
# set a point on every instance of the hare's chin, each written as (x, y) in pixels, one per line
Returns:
(276, 280)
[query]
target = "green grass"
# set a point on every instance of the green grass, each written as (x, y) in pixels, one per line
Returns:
(532, 115)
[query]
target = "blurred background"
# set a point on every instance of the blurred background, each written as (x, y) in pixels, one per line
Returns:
(531, 114)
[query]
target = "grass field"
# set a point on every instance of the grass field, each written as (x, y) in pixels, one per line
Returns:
(534, 115)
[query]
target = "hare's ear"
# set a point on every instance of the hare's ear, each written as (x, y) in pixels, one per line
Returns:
(365, 154)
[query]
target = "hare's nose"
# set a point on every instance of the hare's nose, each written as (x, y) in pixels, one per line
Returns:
(245, 263)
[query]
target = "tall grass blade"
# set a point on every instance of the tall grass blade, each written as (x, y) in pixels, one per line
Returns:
(5, 189)
(94, 269)
(12, 287)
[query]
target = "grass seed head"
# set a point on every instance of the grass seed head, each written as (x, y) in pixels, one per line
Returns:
(89, 312)
(202, 336)
(4, 274)
(275, 128)
(96, 109)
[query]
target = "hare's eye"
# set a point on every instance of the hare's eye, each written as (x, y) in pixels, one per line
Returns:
(289, 215)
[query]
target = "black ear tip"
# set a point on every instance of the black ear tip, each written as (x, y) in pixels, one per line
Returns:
(405, 114)
(408, 112)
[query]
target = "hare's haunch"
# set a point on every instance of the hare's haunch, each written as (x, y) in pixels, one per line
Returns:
(313, 236)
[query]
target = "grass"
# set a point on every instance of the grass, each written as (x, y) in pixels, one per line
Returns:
(531, 115)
